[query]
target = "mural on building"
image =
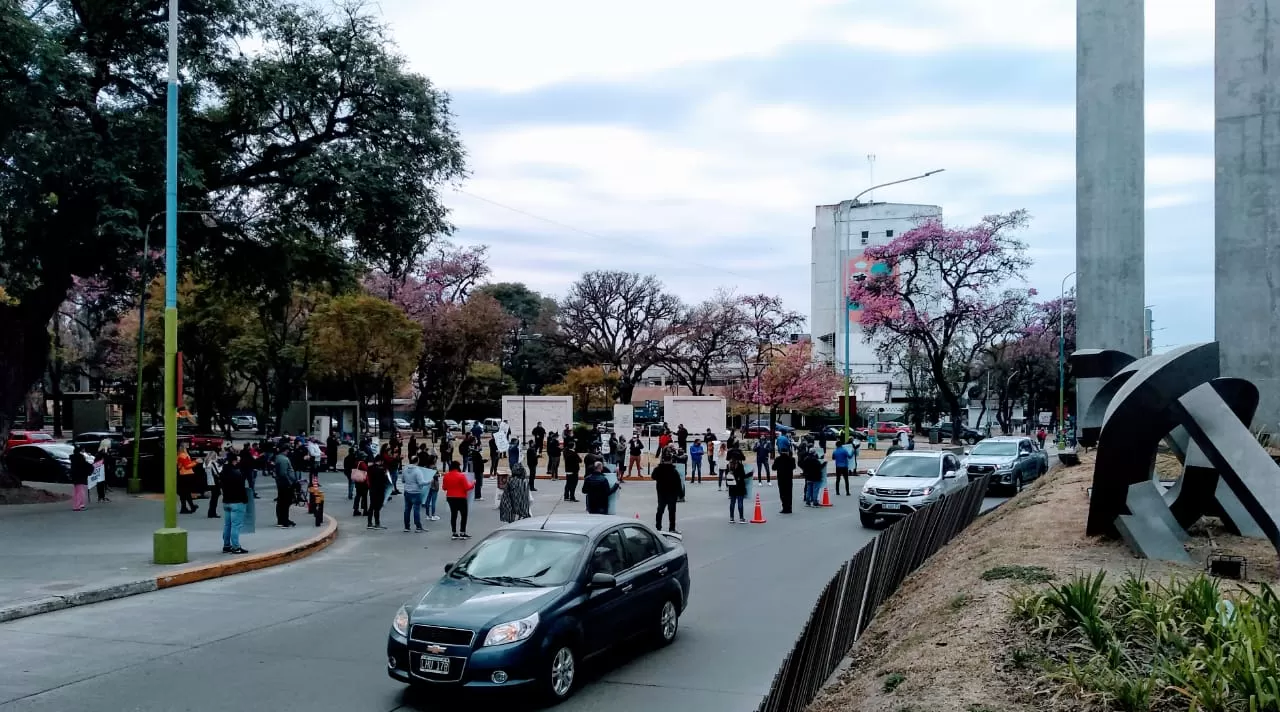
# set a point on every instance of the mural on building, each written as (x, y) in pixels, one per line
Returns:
(860, 267)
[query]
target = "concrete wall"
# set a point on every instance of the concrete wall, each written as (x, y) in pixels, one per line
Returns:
(1109, 177)
(1247, 247)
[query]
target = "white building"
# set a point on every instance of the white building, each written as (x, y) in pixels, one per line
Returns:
(840, 234)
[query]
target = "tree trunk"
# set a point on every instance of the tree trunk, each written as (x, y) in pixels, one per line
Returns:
(24, 352)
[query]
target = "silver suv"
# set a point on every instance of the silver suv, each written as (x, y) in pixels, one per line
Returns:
(1011, 460)
(907, 481)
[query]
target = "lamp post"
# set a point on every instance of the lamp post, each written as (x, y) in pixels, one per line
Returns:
(169, 545)
(848, 376)
(1062, 361)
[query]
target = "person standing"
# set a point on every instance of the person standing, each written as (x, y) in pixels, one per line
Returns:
(682, 437)
(186, 480)
(331, 450)
(514, 503)
(597, 490)
(553, 456)
(285, 477)
(696, 450)
(235, 503)
(379, 483)
(108, 467)
(477, 466)
(432, 492)
(415, 482)
(636, 450)
(709, 441)
(737, 490)
(81, 468)
(784, 465)
(762, 448)
(213, 480)
(360, 476)
(811, 466)
(615, 450)
(456, 486)
(539, 433)
(349, 464)
(669, 485)
(494, 455)
(531, 460)
(822, 440)
(572, 460)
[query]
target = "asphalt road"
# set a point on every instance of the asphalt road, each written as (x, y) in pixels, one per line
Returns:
(310, 636)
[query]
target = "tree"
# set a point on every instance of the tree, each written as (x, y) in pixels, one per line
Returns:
(706, 339)
(455, 337)
(791, 380)
(589, 386)
(530, 350)
(486, 384)
(768, 324)
(620, 319)
(1024, 364)
(316, 149)
(943, 295)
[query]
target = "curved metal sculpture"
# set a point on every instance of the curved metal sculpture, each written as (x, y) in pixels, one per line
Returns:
(1178, 397)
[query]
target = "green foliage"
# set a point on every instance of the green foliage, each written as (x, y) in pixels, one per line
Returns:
(364, 340)
(958, 601)
(892, 680)
(1024, 574)
(1140, 645)
(486, 384)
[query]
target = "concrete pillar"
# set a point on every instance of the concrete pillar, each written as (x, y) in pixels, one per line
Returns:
(1109, 178)
(1247, 212)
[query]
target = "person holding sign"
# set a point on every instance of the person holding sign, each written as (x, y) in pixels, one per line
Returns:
(81, 469)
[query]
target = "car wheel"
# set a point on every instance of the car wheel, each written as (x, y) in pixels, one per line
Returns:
(560, 673)
(668, 622)
(1017, 483)
(970, 440)
(868, 520)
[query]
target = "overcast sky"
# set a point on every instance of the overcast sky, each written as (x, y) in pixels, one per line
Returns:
(693, 138)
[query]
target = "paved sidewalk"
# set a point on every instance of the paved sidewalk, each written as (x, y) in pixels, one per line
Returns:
(52, 552)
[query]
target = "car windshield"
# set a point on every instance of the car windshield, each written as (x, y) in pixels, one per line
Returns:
(1004, 448)
(531, 558)
(908, 467)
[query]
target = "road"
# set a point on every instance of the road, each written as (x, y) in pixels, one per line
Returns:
(310, 636)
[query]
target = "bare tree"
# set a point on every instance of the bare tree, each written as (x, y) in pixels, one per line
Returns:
(620, 319)
(768, 324)
(707, 338)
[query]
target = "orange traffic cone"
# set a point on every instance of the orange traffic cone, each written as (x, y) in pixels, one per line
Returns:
(759, 515)
(826, 497)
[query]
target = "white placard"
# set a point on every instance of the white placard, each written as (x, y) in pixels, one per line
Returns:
(624, 419)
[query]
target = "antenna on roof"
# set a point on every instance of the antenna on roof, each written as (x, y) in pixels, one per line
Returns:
(553, 511)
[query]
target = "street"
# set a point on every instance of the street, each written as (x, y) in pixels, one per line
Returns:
(310, 635)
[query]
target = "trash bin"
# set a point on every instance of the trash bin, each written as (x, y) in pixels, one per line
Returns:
(935, 436)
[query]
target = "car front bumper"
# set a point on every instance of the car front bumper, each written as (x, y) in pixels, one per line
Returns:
(892, 507)
(469, 668)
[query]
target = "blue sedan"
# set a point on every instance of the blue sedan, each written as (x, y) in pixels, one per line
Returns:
(531, 601)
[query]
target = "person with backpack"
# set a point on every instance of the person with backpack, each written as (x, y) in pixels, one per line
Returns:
(572, 460)
(349, 464)
(737, 490)
(456, 486)
(360, 480)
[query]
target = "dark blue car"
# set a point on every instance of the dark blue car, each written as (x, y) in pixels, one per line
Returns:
(532, 600)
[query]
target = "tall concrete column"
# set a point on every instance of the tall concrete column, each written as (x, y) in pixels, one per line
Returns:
(1247, 215)
(1109, 179)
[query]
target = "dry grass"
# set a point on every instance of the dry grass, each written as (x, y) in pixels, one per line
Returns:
(30, 495)
(959, 657)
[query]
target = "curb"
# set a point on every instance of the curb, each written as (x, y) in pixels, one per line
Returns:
(192, 574)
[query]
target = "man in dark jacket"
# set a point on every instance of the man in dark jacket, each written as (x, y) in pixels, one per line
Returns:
(811, 465)
(597, 490)
(235, 502)
(572, 460)
(539, 433)
(331, 451)
(784, 465)
(531, 460)
(682, 437)
(285, 479)
(553, 455)
(670, 486)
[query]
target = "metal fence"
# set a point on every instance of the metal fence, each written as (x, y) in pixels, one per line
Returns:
(850, 599)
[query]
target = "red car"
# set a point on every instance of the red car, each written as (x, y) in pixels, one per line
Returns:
(27, 437)
(887, 428)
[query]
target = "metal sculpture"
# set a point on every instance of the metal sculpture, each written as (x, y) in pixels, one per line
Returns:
(1179, 398)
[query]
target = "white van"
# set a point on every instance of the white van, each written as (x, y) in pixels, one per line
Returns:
(492, 425)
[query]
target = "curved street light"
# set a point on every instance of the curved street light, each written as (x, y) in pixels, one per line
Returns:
(1062, 361)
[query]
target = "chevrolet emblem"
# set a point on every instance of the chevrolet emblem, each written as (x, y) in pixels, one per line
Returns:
(435, 649)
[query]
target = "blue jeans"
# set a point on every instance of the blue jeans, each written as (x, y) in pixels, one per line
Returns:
(412, 503)
(391, 484)
(812, 490)
(738, 502)
(697, 469)
(762, 467)
(231, 524)
(431, 502)
(351, 487)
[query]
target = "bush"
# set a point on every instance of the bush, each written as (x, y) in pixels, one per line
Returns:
(1140, 645)
(1025, 574)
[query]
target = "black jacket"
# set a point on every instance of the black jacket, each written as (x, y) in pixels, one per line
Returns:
(784, 465)
(233, 486)
(571, 461)
(738, 488)
(812, 468)
(668, 480)
(80, 469)
(553, 447)
(597, 490)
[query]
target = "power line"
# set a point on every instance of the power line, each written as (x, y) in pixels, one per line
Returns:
(588, 233)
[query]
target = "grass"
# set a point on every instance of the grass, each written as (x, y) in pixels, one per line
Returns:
(1024, 574)
(1139, 645)
(893, 680)
(958, 601)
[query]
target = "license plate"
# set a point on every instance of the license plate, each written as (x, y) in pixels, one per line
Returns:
(892, 506)
(434, 665)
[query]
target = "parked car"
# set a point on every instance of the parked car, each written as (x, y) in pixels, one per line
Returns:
(907, 481)
(453, 426)
(780, 427)
(26, 437)
(401, 424)
(491, 425)
(428, 425)
(244, 422)
(44, 461)
(530, 602)
(968, 435)
(89, 441)
(1011, 460)
(197, 443)
(833, 432)
(887, 429)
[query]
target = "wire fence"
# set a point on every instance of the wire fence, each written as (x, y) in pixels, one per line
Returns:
(850, 599)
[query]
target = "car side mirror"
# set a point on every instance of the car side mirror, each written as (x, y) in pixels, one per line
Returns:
(949, 475)
(601, 581)
(448, 568)
(968, 451)
(871, 472)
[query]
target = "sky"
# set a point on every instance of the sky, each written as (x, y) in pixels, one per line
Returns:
(691, 139)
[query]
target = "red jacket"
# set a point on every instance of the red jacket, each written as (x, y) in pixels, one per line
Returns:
(456, 484)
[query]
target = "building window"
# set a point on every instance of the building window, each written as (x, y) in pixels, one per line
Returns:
(888, 233)
(866, 236)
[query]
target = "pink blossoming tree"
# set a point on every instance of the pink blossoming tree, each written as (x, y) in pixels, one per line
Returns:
(1024, 364)
(945, 296)
(792, 380)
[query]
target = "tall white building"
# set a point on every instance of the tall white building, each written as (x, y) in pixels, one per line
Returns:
(841, 233)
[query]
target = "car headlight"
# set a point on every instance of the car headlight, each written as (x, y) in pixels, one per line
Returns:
(922, 491)
(512, 631)
(866, 489)
(400, 624)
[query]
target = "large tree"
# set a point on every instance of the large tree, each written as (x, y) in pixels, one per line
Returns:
(620, 319)
(531, 353)
(590, 386)
(315, 149)
(945, 294)
(708, 337)
(455, 338)
(1023, 366)
(790, 379)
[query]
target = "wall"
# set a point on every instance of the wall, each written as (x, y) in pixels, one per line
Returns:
(697, 413)
(553, 411)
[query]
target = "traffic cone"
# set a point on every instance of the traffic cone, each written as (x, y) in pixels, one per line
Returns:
(826, 497)
(759, 515)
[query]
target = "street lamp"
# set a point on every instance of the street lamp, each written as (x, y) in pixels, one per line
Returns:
(524, 368)
(848, 376)
(1062, 362)
(135, 480)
